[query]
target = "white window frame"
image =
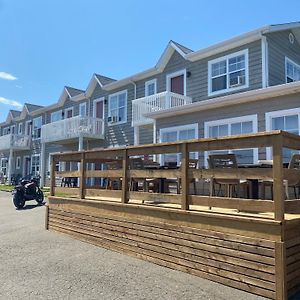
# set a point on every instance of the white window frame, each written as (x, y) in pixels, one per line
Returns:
(31, 161)
(194, 126)
(288, 60)
(6, 130)
(227, 57)
(94, 106)
(126, 104)
(147, 83)
(20, 127)
(18, 162)
(275, 114)
(27, 125)
(229, 121)
(13, 129)
(24, 165)
(176, 74)
(32, 128)
(55, 112)
(66, 111)
(85, 109)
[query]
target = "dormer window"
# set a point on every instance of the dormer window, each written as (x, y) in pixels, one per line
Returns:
(228, 73)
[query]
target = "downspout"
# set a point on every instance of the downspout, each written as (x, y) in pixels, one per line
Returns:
(136, 129)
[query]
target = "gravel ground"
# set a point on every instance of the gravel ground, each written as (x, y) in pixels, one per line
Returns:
(38, 264)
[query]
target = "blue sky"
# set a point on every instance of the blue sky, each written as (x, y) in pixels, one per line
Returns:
(47, 44)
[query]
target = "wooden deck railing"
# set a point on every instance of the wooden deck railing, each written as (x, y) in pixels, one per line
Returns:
(277, 140)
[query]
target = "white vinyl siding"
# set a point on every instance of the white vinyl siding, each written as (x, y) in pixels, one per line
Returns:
(228, 73)
(117, 108)
(292, 71)
(178, 133)
(233, 126)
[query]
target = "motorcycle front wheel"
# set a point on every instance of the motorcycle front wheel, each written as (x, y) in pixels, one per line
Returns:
(40, 197)
(18, 200)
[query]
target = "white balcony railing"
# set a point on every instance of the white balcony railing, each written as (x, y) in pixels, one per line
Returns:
(156, 102)
(73, 128)
(15, 142)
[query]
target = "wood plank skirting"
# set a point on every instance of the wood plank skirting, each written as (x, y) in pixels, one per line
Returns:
(244, 241)
(236, 251)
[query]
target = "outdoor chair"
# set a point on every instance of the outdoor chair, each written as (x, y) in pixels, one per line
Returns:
(232, 186)
(294, 183)
(113, 182)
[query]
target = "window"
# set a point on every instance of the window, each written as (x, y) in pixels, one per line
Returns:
(150, 87)
(18, 162)
(178, 133)
(234, 126)
(35, 165)
(28, 127)
(13, 129)
(4, 165)
(20, 126)
(292, 71)
(37, 125)
(56, 116)
(82, 109)
(228, 73)
(6, 130)
(117, 108)
(68, 113)
(288, 120)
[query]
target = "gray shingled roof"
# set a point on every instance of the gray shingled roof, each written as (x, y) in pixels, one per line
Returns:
(74, 92)
(104, 80)
(15, 113)
(32, 107)
(183, 48)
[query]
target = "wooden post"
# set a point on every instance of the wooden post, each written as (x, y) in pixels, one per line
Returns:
(278, 191)
(280, 271)
(125, 177)
(47, 217)
(184, 177)
(52, 175)
(82, 176)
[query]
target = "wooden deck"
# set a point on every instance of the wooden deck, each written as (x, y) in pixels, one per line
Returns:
(249, 244)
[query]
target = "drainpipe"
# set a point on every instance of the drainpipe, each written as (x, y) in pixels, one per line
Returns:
(136, 129)
(43, 171)
(10, 165)
(265, 62)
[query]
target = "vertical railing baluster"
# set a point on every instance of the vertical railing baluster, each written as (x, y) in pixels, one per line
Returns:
(184, 177)
(52, 176)
(125, 177)
(82, 176)
(278, 190)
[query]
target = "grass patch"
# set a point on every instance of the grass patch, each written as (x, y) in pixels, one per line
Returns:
(6, 187)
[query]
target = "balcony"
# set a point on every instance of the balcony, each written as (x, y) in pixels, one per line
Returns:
(157, 102)
(15, 142)
(70, 129)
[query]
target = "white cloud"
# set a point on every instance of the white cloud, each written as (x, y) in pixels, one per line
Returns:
(7, 76)
(10, 102)
(19, 86)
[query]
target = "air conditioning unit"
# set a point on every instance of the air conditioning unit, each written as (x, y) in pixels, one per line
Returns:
(113, 119)
(237, 81)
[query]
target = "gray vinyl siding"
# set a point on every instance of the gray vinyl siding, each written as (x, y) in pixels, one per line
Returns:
(280, 47)
(258, 108)
(117, 134)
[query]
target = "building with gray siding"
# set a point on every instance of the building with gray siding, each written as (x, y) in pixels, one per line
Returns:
(246, 84)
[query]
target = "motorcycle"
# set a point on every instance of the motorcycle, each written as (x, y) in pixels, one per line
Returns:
(27, 190)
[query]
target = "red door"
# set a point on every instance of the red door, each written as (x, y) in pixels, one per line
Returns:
(69, 113)
(177, 84)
